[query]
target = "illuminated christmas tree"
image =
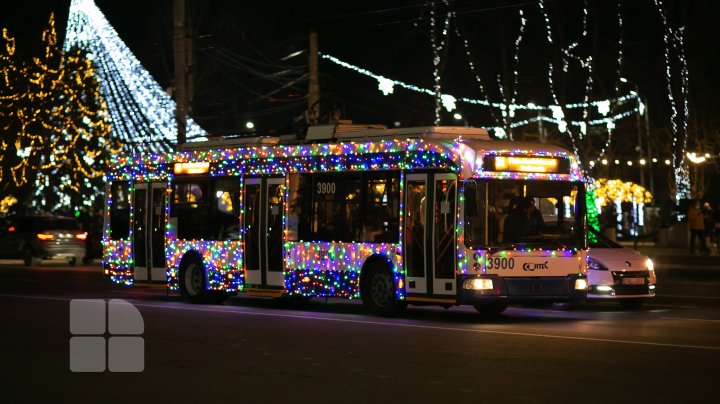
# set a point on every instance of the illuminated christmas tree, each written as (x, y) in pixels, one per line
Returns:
(58, 127)
(141, 112)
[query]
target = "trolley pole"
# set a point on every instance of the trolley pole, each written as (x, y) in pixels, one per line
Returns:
(180, 48)
(314, 89)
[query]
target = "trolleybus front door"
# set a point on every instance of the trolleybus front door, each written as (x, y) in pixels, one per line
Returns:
(263, 201)
(429, 237)
(149, 232)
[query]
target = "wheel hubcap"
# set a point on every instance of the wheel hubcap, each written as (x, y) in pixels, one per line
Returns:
(382, 289)
(193, 280)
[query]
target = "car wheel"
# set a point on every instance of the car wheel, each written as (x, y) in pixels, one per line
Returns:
(562, 306)
(631, 304)
(30, 259)
(490, 309)
(72, 261)
(379, 291)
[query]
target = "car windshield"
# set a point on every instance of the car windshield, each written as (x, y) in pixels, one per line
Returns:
(524, 214)
(599, 240)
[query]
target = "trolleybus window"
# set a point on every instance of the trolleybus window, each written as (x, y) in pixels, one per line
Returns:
(359, 207)
(206, 209)
(533, 213)
(120, 210)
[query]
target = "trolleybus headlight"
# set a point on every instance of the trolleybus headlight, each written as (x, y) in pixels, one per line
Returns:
(478, 284)
(581, 284)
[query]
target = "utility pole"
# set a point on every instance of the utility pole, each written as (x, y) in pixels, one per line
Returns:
(314, 90)
(181, 59)
(649, 151)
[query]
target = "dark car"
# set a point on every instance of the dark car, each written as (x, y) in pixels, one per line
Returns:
(33, 238)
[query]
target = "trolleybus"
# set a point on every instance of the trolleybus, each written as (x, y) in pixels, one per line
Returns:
(429, 215)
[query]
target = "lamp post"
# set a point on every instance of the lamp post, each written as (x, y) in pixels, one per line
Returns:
(539, 119)
(643, 110)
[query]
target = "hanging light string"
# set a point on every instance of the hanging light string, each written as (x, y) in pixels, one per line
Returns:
(437, 50)
(386, 86)
(486, 100)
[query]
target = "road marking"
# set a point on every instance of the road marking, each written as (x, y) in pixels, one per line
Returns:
(692, 319)
(691, 297)
(234, 310)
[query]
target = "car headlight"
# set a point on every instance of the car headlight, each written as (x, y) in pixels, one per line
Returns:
(596, 265)
(649, 264)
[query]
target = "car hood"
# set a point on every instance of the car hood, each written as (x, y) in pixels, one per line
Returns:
(620, 259)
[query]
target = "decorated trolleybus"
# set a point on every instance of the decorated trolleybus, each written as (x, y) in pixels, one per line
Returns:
(430, 215)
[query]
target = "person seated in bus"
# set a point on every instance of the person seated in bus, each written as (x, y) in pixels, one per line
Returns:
(524, 220)
(535, 223)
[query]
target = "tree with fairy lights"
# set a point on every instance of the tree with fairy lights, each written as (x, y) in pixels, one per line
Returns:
(10, 94)
(63, 137)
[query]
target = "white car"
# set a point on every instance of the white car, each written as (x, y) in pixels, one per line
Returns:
(617, 273)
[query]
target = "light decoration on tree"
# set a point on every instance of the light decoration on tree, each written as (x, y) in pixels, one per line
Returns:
(58, 125)
(141, 112)
(674, 43)
(616, 192)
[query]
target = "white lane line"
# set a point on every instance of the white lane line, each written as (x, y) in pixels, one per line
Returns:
(232, 310)
(691, 297)
(692, 319)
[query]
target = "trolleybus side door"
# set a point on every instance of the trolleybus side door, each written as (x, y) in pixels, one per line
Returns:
(429, 236)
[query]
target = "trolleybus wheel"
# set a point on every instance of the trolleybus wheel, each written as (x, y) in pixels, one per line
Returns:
(490, 309)
(379, 291)
(192, 280)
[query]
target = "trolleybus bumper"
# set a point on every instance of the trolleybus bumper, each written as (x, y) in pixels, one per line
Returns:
(474, 289)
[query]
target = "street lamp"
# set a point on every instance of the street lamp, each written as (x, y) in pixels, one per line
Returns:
(459, 117)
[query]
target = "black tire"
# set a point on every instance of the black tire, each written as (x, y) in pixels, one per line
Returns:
(490, 309)
(378, 291)
(192, 281)
(28, 257)
(562, 306)
(72, 261)
(631, 304)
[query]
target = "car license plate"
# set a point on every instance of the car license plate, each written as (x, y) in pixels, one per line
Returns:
(633, 281)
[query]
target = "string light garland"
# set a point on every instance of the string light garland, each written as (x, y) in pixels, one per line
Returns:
(386, 85)
(141, 112)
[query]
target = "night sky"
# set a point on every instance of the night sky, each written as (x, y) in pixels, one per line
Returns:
(238, 47)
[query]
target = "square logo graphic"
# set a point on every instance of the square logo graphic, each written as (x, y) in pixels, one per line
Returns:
(91, 320)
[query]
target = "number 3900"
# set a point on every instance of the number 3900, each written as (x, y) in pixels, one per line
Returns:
(500, 263)
(325, 187)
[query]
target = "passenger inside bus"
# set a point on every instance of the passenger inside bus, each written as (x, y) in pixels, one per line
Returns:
(523, 220)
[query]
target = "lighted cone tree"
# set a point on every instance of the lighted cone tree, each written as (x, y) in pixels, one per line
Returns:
(63, 137)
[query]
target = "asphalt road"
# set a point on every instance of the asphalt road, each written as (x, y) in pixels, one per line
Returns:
(263, 350)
